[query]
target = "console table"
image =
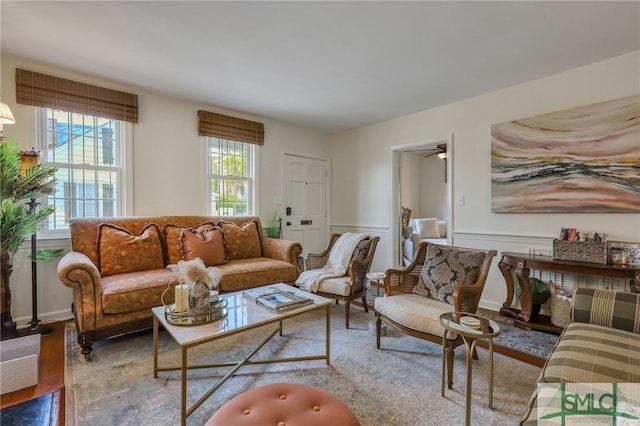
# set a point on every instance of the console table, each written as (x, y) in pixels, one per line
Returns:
(523, 263)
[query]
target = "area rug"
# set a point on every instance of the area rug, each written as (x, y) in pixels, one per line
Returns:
(398, 384)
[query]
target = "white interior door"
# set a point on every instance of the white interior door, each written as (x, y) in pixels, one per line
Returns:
(305, 206)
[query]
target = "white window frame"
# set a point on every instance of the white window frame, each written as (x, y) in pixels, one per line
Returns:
(124, 203)
(252, 170)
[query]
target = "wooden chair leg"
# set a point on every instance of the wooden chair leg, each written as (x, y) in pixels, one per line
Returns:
(378, 328)
(347, 306)
(364, 303)
(450, 357)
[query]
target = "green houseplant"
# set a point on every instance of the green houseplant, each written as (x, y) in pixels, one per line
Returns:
(19, 217)
(539, 294)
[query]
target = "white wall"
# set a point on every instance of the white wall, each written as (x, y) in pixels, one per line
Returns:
(168, 170)
(433, 189)
(361, 185)
(409, 182)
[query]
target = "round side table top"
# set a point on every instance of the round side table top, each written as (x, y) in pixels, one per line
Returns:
(470, 325)
(375, 276)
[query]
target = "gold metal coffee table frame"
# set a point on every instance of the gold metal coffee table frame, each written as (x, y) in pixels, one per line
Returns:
(244, 315)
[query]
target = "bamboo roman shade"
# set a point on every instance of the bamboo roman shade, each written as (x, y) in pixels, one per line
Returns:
(42, 90)
(232, 128)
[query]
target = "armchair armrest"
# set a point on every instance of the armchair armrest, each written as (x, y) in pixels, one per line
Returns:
(77, 271)
(284, 250)
(608, 308)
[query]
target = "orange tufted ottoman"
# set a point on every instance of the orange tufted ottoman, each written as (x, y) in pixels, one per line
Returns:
(284, 404)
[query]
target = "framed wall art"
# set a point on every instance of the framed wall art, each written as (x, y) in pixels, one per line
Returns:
(579, 160)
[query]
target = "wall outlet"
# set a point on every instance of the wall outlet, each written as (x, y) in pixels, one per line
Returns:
(460, 200)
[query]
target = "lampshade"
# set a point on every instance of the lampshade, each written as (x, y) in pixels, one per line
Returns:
(5, 114)
(442, 155)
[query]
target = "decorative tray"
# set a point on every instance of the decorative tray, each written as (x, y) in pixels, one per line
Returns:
(215, 311)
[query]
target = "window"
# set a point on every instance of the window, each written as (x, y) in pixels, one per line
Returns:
(88, 152)
(231, 177)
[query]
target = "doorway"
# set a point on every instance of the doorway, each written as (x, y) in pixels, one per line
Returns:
(305, 202)
(421, 149)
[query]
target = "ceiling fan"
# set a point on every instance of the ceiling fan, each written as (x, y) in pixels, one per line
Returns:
(440, 150)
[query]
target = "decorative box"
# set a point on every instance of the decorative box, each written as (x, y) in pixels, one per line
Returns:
(19, 363)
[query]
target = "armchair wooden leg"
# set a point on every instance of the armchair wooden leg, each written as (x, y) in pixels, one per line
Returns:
(450, 357)
(364, 303)
(347, 308)
(378, 328)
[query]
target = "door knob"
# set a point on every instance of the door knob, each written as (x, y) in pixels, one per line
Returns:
(288, 223)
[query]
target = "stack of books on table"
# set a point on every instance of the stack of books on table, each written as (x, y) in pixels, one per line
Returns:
(277, 300)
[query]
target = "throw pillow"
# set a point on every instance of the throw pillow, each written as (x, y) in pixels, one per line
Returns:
(119, 251)
(241, 242)
(361, 250)
(427, 228)
(172, 239)
(446, 268)
(208, 246)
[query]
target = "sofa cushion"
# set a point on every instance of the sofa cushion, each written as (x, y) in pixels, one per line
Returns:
(442, 228)
(241, 242)
(445, 269)
(119, 250)
(172, 234)
(590, 353)
(240, 274)
(208, 246)
(134, 291)
(428, 228)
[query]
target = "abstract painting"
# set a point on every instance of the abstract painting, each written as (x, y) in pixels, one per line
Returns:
(579, 160)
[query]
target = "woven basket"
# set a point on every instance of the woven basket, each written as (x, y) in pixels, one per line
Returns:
(560, 306)
(580, 251)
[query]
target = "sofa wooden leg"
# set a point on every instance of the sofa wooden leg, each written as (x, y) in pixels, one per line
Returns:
(86, 343)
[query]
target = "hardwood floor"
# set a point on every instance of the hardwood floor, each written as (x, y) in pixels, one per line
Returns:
(50, 376)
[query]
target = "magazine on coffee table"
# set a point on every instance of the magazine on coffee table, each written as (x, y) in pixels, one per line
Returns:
(254, 293)
(281, 301)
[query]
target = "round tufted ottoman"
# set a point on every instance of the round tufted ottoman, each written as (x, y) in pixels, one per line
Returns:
(284, 404)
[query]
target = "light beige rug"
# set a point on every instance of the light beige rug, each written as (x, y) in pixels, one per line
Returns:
(396, 385)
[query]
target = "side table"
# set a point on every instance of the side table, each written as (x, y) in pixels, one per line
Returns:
(377, 279)
(471, 327)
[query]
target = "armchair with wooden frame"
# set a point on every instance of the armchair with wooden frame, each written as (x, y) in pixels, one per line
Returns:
(439, 279)
(352, 285)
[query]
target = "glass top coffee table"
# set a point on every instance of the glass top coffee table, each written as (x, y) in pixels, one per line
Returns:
(243, 314)
(471, 327)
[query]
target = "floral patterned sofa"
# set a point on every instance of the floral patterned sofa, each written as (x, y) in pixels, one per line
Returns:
(117, 266)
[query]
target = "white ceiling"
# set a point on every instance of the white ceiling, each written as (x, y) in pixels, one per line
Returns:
(328, 66)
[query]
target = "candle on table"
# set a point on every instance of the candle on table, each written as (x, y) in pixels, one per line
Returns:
(182, 298)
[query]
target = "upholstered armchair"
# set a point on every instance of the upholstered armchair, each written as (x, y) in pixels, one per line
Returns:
(439, 279)
(352, 285)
